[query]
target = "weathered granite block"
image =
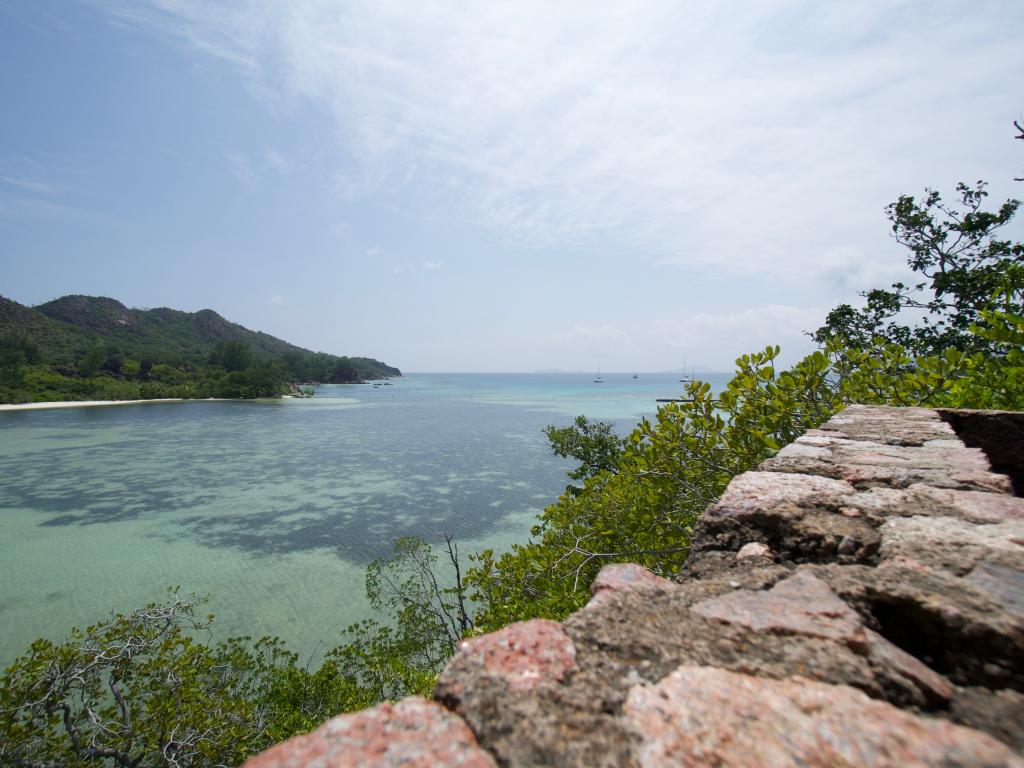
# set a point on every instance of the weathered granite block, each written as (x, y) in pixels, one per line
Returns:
(700, 716)
(619, 577)
(800, 518)
(1000, 434)
(413, 733)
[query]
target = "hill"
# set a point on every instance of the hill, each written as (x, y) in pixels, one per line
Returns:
(85, 337)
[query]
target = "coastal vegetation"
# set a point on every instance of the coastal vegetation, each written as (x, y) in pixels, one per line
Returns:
(95, 348)
(149, 689)
(144, 690)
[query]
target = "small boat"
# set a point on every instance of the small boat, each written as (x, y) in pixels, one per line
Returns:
(599, 380)
(686, 379)
(634, 376)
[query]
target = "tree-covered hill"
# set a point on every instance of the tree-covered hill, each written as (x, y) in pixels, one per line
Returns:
(78, 347)
(47, 334)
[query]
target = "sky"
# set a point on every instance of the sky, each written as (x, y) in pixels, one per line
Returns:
(491, 186)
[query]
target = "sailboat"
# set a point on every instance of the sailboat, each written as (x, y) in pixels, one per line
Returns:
(686, 379)
(599, 380)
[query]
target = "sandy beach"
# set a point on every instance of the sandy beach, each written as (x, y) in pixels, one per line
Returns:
(81, 403)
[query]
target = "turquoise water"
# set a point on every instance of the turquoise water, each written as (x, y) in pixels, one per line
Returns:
(274, 508)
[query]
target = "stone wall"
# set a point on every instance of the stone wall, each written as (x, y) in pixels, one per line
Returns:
(858, 600)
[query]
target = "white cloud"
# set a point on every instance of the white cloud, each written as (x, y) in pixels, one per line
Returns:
(591, 333)
(716, 339)
(745, 138)
(274, 300)
(241, 168)
(706, 341)
(28, 211)
(851, 270)
(434, 266)
(36, 187)
(248, 169)
(275, 161)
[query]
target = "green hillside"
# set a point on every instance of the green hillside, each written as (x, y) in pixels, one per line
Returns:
(82, 347)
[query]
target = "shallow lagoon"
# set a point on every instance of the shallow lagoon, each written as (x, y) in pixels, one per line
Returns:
(274, 508)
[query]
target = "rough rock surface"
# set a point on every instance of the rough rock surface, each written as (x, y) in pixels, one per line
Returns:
(999, 433)
(520, 657)
(704, 716)
(800, 605)
(413, 732)
(858, 600)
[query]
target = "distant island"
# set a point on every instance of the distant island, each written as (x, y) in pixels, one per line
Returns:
(96, 348)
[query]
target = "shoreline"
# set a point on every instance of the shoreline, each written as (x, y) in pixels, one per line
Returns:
(93, 403)
(85, 403)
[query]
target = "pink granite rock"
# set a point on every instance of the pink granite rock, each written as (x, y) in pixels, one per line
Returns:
(936, 689)
(700, 716)
(799, 516)
(1004, 584)
(933, 455)
(809, 448)
(953, 544)
(524, 654)
(412, 733)
(622, 576)
(754, 491)
(893, 426)
(901, 477)
(920, 499)
(801, 605)
(889, 447)
(835, 433)
(753, 549)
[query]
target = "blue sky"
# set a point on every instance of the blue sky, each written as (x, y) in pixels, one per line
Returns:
(492, 186)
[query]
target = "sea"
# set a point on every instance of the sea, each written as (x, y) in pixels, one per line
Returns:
(272, 509)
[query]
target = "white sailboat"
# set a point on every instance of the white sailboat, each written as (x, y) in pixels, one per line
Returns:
(686, 379)
(599, 380)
